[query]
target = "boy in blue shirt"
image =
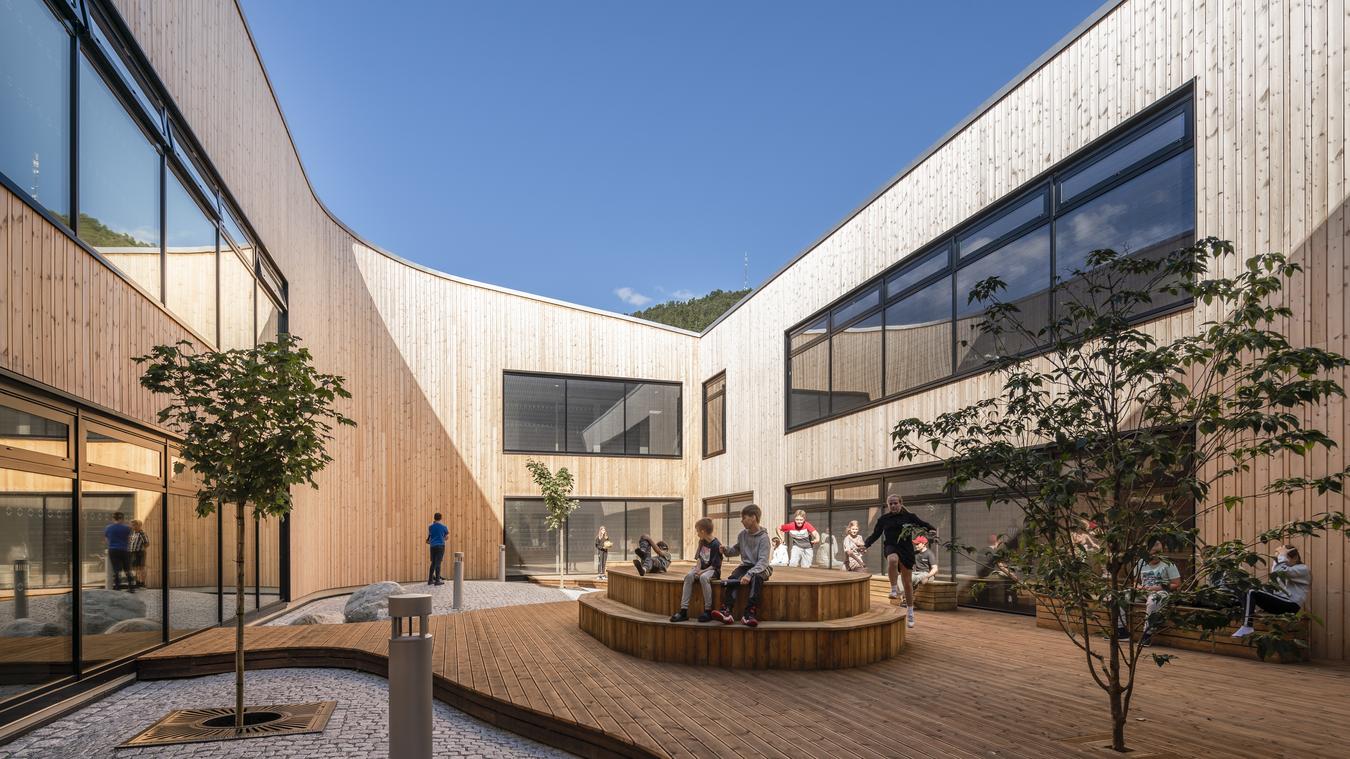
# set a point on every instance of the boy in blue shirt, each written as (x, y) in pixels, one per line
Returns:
(436, 534)
(118, 535)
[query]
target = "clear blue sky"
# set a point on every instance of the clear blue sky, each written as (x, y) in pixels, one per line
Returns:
(582, 149)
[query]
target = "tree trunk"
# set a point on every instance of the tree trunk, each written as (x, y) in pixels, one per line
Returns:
(239, 617)
(1115, 691)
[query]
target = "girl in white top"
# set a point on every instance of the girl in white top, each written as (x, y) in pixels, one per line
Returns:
(854, 546)
(1294, 579)
(779, 557)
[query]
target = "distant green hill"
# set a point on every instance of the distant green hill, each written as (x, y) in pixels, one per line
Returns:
(97, 234)
(694, 314)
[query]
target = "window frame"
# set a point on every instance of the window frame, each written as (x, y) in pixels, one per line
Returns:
(116, 475)
(679, 408)
(1181, 101)
(722, 375)
(51, 413)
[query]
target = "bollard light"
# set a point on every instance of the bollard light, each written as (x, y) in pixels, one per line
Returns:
(501, 563)
(410, 646)
(20, 588)
(459, 580)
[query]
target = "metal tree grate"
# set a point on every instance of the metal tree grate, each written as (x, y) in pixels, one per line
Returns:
(189, 725)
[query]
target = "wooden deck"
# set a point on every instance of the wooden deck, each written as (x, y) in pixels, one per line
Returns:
(967, 684)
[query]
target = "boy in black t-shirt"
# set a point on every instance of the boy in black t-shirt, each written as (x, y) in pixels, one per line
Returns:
(707, 567)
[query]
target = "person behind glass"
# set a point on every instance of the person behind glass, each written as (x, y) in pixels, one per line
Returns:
(1157, 577)
(602, 546)
(118, 537)
(707, 567)
(854, 545)
(897, 526)
(778, 556)
(136, 546)
(801, 539)
(1294, 578)
(925, 562)
(752, 545)
(436, 535)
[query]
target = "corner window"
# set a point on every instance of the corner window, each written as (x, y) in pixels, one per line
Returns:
(715, 416)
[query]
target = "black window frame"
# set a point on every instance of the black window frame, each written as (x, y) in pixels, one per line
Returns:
(1047, 183)
(679, 406)
(621, 542)
(722, 375)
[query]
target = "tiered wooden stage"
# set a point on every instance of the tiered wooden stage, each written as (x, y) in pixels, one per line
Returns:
(809, 619)
(969, 684)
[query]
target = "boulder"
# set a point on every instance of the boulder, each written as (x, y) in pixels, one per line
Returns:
(318, 618)
(138, 625)
(25, 627)
(366, 604)
(103, 608)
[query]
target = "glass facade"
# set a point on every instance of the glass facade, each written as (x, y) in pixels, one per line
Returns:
(726, 514)
(89, 504)
(532, 548)
(143, 201)
(558, 414)
(914, 326)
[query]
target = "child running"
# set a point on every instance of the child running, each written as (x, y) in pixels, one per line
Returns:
(707, 567)
(897, 524)
(752, 545)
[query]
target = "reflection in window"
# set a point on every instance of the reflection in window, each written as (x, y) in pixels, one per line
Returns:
(120, 544)
(714, 416)
(984, 578)
(237, 235)
(1024, 212)
(856, 365)
(228, 558)
(531, 547)
(1125, 157)
(1150, 215)
(26, 431)
(913, 275)
(269, 561)
(190, 259)
(119, 184)
(808, 333)
(268, 318)
(534, 412)
(236, 302)
(104, 450)
(595, 416)
(1024, 266)
(919, 337)
(35, 103)
(192, 569)
(850, 310)
(809, 375)
(35, 579)
(652, 416)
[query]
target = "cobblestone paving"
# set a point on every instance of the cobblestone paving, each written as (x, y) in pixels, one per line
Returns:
(358, 727)
(478, 594)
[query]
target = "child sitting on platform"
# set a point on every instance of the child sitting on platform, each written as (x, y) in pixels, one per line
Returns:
(707, 567)
(752, 545)
(652, 555)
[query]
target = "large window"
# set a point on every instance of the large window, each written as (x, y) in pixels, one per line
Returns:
(144, 202)
(725, 512)
(557, 414)
(532, 548)
(715, 415)
(914, 326)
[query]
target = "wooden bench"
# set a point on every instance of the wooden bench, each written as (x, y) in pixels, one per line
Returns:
(1220, 641)
(791, 594)
(936, 595)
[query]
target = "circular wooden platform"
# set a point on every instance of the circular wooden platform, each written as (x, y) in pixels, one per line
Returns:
(810, 619)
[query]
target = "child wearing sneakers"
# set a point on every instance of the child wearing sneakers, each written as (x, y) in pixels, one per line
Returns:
(707, 567)
(652, 555)
(752, 545)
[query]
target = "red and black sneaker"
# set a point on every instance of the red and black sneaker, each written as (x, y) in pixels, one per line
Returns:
(750, 618)
(723, 615)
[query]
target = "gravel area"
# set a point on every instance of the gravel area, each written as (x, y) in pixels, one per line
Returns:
(359, 726)
(478, 594)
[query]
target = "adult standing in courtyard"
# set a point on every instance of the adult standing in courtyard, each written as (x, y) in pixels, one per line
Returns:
(436, 535)
(801, 538)
(898, 526)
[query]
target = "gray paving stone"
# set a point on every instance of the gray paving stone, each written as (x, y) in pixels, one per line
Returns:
(358, 728)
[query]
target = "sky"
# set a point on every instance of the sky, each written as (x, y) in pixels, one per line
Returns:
(617, 154)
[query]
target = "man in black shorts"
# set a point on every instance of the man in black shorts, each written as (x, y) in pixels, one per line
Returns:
(898, 525)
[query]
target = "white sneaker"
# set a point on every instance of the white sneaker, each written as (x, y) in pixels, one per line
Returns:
(895, 592)
(1244, 631)
(909, 618)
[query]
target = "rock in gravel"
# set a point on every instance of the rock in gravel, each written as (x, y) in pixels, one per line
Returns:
(366, 604)
(103, 608)
(25, 627)
(139, 625)
(319, 618)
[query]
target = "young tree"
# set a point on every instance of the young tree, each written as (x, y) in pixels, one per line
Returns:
(1114, 438)
(556, 490)
(254, 421)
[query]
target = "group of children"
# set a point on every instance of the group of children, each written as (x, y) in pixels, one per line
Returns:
(896, 527)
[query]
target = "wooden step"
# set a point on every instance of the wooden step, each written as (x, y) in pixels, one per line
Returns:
(791, 594)
(874, 635)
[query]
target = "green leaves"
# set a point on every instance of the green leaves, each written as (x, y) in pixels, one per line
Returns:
(254, 421)
(556, 490)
